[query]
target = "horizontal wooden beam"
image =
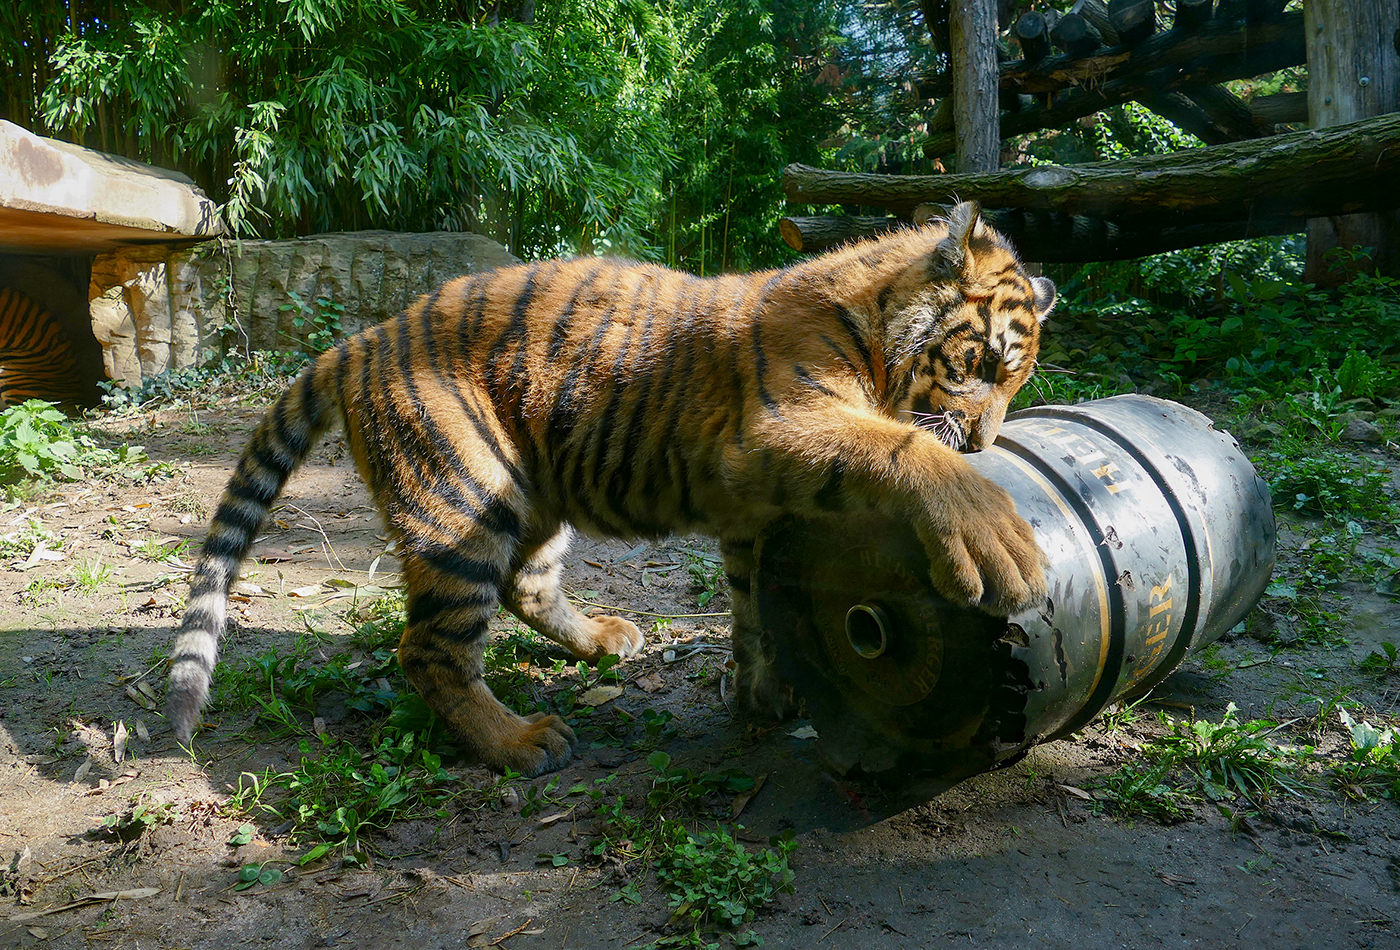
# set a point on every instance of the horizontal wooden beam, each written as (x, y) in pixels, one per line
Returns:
(1048, 237)
(1335, 170)
(1213, 38)
(1203, 71)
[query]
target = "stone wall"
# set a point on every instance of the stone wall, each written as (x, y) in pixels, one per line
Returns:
(155, 311)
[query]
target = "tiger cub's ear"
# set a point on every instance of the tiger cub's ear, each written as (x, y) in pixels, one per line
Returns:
(1044, 302)
(953, 257)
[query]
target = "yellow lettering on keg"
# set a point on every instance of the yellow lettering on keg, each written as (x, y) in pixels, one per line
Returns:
(1159, 607)
(1104, 473)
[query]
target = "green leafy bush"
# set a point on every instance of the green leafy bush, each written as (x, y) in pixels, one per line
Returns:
(38, 441)
(714, 881)
(1331, 484)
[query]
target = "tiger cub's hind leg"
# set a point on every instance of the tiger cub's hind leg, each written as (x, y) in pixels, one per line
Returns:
(453, 591)
(535, 596)
(754, 652)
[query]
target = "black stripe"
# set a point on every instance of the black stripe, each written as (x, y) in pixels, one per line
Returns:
(425, 605)
(849, 324)
(904, 443)
(296, 439)
(808, 381)
(227, 546)
(831, 496)
(449, 560)
(490, 511)
(271, 457)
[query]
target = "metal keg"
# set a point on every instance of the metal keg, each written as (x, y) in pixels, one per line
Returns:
(1160, 538)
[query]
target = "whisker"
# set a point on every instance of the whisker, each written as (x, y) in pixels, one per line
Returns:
(943, 425)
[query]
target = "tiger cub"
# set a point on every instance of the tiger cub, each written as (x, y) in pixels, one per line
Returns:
(504, 410)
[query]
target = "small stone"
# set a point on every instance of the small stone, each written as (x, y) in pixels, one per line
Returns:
(609, 758)
(1361, 431)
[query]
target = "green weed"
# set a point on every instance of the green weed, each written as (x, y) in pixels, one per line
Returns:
(706, 575)
(1047, 388)
(1142, 791)
(1332, 484)
(1384, 661)
(37, 440)
(157, 551)
(1227, 759)
(88, 575)
(322, 316)
(1372, 768)
(338, 794)
(714, 882)
(23, 540)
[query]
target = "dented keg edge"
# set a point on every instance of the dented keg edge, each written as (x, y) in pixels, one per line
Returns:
(970, 718)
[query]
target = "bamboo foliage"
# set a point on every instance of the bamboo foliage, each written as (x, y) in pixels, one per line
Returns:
(307, 115)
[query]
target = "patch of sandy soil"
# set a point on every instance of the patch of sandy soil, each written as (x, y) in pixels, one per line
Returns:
(1015, 858)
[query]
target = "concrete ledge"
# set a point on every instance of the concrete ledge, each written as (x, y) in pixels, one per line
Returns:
(61, 198)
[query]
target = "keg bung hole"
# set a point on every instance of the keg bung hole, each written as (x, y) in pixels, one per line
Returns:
(868, 630)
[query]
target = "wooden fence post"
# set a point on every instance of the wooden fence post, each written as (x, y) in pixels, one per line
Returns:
(1353, 73)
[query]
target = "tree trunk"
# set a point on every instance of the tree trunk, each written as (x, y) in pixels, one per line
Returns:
(1353, 73)
(1302, 174)
(973, 32)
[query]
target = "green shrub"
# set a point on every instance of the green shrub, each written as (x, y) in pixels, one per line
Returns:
(38, 441)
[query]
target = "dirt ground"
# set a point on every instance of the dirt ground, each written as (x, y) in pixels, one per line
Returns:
(1020, 857)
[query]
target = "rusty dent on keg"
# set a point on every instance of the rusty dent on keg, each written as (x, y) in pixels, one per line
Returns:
(1160, 538)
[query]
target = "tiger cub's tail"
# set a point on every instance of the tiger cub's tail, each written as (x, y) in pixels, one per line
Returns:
(283, 439)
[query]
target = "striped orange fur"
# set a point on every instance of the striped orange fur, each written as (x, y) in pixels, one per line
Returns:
(36, 360)
(504, 410)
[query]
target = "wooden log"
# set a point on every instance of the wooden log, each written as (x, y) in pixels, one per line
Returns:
(1170, 48)
(1032, 33)
(1252, 12)
(810, 234)
(1191, 15)
(1044, 236)
(1096, 12)
(1178, 109)
(1343, 169)
(1075, 35)
(1133, 20)
(1282, 107)
(1055, 238)
(1206, 70)
(1353, 72)
(972, 28)
(1228, 112)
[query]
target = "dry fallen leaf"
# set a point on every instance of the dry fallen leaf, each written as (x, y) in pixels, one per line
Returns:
(599, 695)
(650, 683)
(134, 894)
(742, 801)
(139, 698)
(1076, 791)
(119, 734)
(803, 732)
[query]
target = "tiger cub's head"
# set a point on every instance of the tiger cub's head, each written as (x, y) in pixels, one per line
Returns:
(963, 322)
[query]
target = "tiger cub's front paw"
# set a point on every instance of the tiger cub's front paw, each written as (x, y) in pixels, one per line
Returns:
(981, 552)
(542, 743)
(609, 635)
